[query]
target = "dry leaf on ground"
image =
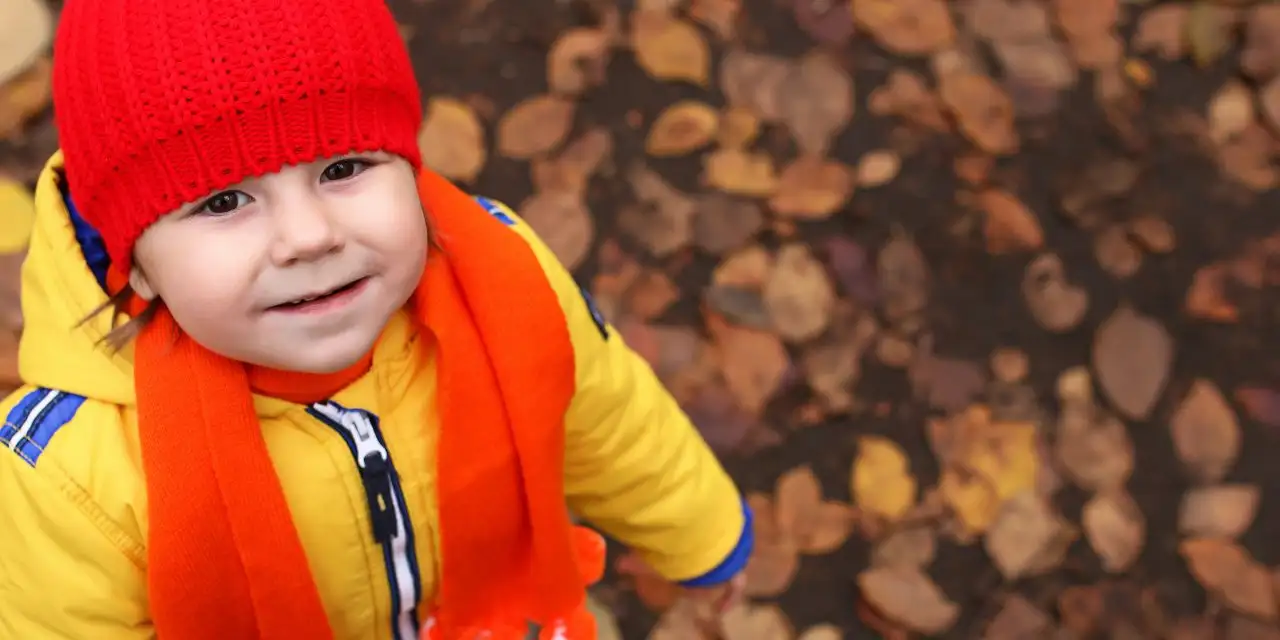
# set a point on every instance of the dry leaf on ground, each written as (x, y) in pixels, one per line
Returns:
(1162, 30)
(812, 188)
(577, 60)
(535, 126)
(910, 547)
(682, 128)
(1027, 536)
(822, 632)
(799, 294)
(1260, 404)
(754, 364)
(1055, 303)
(1219, 511)
(775, 559)
(982, 110)
(723, 223)
(662, 221)
(750, 81)
(1093, 448)
(1260, 59)
(563, 222)
(910, 27)
(670, 49)
(752, 622)
(1224, 568)
(907, 596)
(903, 277)
(452, 140)
(26, 28)
(1018, 620)
(1132, 358)
(816, 525)
(815, 101)
(882, 483)
(1010, 226)
(25, 96)
(739, 172)
(878, 167)
(1205, 432)
(573, 167)
(1115, 528)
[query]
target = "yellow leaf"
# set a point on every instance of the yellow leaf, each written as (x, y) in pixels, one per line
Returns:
(671, 49)
(882, 481)
(972, 499)
(740, 172)
(17, 212)
(681, 128)
(452, 140)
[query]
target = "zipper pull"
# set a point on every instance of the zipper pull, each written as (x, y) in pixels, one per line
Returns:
(375, 474)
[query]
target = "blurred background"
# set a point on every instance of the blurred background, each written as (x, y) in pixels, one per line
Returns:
(976, 299)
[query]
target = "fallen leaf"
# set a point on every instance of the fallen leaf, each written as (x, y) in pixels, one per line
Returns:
(1115, 528)
(1009, 364)
(25, 96)
(1018, 620)
(535, 126)
(1132, 357)
(817, 526)
(852, 269)
(574, 166)
(815, 101)
(577, 60)
(723, 223)
(1055, 303)
(754, 364)
(1116, 253)
(748, 267)
(774, 560)
(1230, 111)
(452, 140)
(812, 188)
(750, 81)
(1262, 405)
(18, 210)
(740, 172)
(878, 167)
(1218, 511)
(907, 596)
(1206, 297)
(1229, 571)
(822, 632)
(1154, 234)
(1082, 608)
(682, 128)
(982, 110)
(656, 593)
(799, 295)
(721, 16)
(1093, 449)
(651, 294)
(1259, 60)
(563, 222)
(27, 32)
(756, 622)
(1162, 30)
(913, 547)
(1206, 435)
(882, 483)
(663, 219)
(909, 27)
(1009, 225)
(903, 277)
(670, 49)
(832, 366)
(1023, 535)
(739, 127)
(1209, 29)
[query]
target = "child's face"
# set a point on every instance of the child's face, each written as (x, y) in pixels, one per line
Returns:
(233, 268)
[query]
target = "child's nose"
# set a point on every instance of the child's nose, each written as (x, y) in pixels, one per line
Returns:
(304, 231)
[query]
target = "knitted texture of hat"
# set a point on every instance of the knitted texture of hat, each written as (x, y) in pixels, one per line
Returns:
(160, 103)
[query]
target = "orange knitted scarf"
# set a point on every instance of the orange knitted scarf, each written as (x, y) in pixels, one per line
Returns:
(224, 559)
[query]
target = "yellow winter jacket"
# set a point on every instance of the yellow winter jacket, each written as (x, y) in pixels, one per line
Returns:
(73, 506)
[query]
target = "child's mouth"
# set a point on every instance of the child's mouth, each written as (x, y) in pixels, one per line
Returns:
(322, 302)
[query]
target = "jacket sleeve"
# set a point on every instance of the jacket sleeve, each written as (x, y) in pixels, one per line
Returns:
(66, 571)
(635, 466)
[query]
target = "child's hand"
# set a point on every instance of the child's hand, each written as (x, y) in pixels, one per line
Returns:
(711, 603)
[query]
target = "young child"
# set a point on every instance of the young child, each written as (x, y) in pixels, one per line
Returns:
(331, 396)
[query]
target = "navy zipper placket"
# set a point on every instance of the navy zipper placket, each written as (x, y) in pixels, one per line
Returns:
(388, 512)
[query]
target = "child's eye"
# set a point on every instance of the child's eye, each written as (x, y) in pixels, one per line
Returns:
(343, 169)
(223, 203)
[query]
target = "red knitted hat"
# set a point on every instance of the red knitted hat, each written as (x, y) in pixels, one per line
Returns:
(161, 102)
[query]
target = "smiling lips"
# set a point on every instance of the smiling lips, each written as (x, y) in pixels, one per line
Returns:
(327, 301)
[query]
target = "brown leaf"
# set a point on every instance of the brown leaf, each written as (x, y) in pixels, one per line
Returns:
(1205, 433)
(577, 60)
(1154, 234)
(1132, 357)
(1230, 111)
(1007, 20)
(750, 81)
(651, 294)
(982, 111)
(823, 631)
(682, 128)
(833, 366)
(1219, 511)
(1055, 303)
(1115, 528)
(670, 49)
(739, 127)
(912, 547)
(1227, 570)
(878, 167)
(657, 593)
(751, 622)
(452, 140)
(817, 526)
(1036, 71)
(1262, 405)
(738, 305)
(748, 267)
(723, 223)
(1207, 298)
(1019, 620)
(909, 27)
(1260, 59)
(535, 126)
(1209, 30)
(1025, 532)
(815, 101)
(799, 295)
(774, 559)
(574, 166)
(1010, 226)
(740, 172)
(563, 222)
(1162, 30)
(903, 276)
(909, 597)
(826, 22)
(1116, 253)
(1094, 450)
(812, 188)
(721, 16)
(754, 365)
(663, 220)
(1009, 364)
(25, 96)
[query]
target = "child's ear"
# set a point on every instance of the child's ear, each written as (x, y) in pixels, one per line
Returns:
(140, 284)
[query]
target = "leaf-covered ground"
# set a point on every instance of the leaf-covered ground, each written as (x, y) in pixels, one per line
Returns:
(976, 299)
